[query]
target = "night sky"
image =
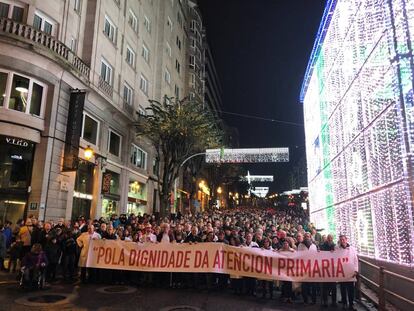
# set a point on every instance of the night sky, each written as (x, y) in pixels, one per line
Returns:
(261, 49)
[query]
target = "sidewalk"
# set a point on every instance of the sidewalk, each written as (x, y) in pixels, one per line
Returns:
(120, 297)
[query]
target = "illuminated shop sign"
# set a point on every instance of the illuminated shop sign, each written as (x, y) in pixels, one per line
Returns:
(17, 142)
(81, 195)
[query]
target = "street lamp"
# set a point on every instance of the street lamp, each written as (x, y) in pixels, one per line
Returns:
(219, 190)
(88, 153)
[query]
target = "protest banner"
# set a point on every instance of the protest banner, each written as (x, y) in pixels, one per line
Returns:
(302, 266)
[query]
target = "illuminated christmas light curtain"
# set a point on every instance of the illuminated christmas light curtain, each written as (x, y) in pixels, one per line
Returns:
(359, 124)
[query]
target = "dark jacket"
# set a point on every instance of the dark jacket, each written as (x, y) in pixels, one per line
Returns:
(53, 252)
(192, 238)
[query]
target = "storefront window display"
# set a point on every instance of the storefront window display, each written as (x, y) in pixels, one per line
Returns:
(110, 191)
(16, 161)
(137, 198)
(82, 196)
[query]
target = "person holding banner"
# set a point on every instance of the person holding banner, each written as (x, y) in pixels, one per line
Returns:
(83, 243)
(328, 288)
(348, 288)
(304, 243)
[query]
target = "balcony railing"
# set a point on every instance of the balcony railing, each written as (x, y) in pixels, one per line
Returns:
(29, 34)
(105, 87)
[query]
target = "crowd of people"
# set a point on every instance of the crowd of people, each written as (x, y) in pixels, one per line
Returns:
(59, 247)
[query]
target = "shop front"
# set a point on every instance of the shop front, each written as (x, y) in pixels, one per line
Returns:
(137, 198)
(110, 193)
(16, 163)
(83, 194)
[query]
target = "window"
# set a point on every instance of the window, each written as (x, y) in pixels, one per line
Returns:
(114, 143)
(198, 54)
(138, 157)
(193, 43)
(177, 91)
(130, 56)
(155, 166)
(143, 85)
(179, 19)
(128, 94)
(191, 95)
(106, 72)
(43, 23)
(12, 11)
(132, 20)
(178, 42)
(3, 84)
(167, 76)
(193, 25)
(168, 49)
(109, 29)
(141, 111)
(21, 93)
(177, 66)
(77, 5)
(90, 129)
(192, 61)
(145, 53)
(72, 44)
(147, 24)
(169, 23)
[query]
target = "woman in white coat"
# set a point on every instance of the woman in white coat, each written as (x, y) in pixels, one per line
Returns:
(83, 243)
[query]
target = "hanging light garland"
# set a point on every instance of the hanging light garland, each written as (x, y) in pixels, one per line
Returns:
(250, 155)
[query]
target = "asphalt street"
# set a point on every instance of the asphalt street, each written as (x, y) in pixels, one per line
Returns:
(64, 296)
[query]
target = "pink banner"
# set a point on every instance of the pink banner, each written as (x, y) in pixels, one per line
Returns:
(302, 266)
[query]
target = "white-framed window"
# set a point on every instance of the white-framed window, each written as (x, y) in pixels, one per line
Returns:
(169, 23)
(147, 24)
(145, 53)
(77, 5)
(167, 76)
(90, 129)
(142, 111)
(192, 61)
(73, 44)
(106, 71)
(44, 23)
(114, 143)
(133, 20)
(109, 29)
(128, 94)
(192, 78)
(177, 66)
(177, 91)
(12, 10)
(168, 49)
(143, 84)
(22, 93)
(178, 43)
(138, 157)
(130, 56)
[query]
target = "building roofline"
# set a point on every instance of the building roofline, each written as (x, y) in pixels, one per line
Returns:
(317, 46)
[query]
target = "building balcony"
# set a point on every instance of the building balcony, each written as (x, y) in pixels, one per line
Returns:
(105, 87)
(44, 44)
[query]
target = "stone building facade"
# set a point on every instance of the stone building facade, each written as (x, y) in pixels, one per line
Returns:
(108, 57)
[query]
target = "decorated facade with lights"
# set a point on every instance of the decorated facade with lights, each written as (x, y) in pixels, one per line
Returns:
(359, 124)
